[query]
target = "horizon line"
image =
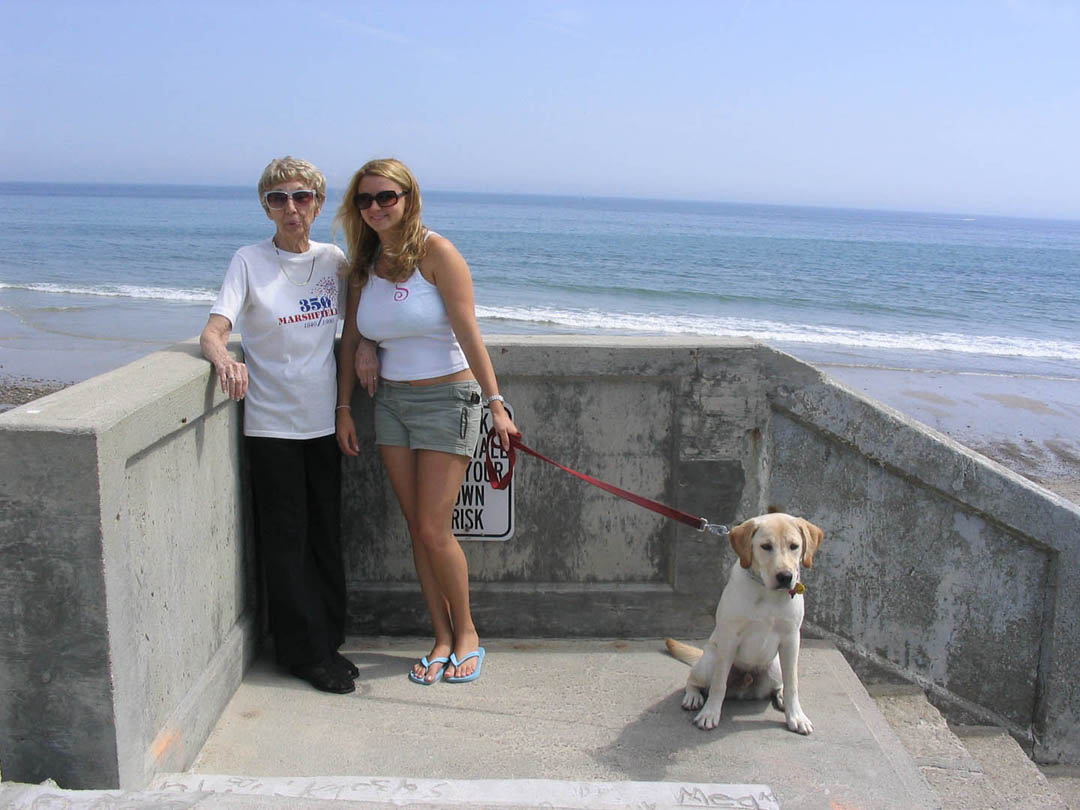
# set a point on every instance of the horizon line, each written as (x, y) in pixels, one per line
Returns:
(554, 195)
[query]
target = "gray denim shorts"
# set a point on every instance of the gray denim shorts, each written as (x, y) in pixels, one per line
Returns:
(444, 417)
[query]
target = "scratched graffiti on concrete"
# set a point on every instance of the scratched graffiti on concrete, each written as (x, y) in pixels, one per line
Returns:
(184, 791)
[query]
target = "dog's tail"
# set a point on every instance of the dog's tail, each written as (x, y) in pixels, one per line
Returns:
(684, 652)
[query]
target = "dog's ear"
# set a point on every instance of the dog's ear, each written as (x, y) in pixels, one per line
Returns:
(812, 537)
(741, 540)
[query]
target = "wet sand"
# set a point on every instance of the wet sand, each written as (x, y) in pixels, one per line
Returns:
(1030, 424)
(16, 391)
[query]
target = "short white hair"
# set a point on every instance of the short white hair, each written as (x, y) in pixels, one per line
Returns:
(281, 170)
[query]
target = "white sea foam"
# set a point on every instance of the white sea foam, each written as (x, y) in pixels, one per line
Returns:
(119, 291)
(776, 332)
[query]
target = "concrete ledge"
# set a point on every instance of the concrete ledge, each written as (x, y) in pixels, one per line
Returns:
(190, 723)
(942, 565)
(125, 560)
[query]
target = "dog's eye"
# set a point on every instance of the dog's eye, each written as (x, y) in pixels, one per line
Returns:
(794, 546)
(766, 546)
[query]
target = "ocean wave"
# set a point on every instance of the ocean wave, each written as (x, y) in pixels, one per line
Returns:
(777, 332)
(119, 291)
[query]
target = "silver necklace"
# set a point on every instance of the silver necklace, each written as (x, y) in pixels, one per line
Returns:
(304, 283)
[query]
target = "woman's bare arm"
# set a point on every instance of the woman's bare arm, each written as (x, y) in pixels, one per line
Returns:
(214, 344)
(447, 269)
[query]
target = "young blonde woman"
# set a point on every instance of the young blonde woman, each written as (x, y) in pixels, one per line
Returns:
(411, 292)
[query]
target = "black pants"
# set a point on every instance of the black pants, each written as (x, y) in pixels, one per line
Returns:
(297, 493)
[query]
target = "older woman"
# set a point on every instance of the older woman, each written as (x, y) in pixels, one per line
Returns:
(283, 294)
(411, 292)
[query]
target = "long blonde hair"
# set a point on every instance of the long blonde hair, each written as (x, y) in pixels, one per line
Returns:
(362, 243)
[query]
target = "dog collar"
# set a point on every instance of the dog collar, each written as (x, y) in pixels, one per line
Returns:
(799, 588)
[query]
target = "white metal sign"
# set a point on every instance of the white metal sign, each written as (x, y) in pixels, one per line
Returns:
(482, 512)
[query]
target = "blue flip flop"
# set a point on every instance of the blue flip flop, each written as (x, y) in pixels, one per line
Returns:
(478, 654)
(427, 665)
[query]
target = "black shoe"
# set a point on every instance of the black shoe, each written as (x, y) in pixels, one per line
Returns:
(326, 677)
(345, 665)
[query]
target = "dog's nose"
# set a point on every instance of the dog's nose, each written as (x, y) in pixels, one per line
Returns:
(783, 578)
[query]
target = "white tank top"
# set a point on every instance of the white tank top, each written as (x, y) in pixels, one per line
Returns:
(409, 322)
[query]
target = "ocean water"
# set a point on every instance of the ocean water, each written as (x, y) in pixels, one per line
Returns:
(94, 275)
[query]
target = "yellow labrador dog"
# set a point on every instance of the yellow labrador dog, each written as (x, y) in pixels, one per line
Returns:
(754, 651)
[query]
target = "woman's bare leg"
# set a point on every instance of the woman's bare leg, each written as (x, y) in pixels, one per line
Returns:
(426, 483)
(400, 463)
(439, 478)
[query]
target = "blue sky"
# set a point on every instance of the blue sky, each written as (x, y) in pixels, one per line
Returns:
(937, 106)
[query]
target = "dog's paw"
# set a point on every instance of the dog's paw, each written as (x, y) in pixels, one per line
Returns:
(708, 718)
(800, 723)
(692, 699)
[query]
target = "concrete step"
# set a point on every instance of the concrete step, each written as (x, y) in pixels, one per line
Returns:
(550, 723)
(1014, 776)
(183, 791)
(600, 722)
(569, 712)
(1065, 779)
(969, 767)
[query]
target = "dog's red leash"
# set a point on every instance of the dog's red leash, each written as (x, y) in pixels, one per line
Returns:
(699, 523)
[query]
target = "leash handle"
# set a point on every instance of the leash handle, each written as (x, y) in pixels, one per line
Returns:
(699, 523)
(492, 474)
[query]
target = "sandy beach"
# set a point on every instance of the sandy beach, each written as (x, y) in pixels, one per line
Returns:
(16, 391)
(1030, 424)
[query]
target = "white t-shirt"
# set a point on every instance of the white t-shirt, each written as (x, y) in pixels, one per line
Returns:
(287, 324)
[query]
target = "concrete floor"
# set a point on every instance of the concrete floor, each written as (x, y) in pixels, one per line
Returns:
(581, 713)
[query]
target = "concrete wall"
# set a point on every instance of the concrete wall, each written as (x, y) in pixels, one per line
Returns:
(938, 564)
(126, 610)
(671, 423)
(123, 560)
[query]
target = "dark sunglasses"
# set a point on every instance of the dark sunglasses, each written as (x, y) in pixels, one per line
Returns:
(279, 199)
(385, 199)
